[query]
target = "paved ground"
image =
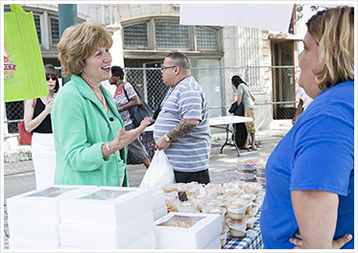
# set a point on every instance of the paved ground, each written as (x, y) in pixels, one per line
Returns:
(221, 166)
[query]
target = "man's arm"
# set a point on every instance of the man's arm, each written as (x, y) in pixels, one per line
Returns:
(184, 127)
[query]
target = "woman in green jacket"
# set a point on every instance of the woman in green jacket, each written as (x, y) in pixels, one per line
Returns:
(89, 133)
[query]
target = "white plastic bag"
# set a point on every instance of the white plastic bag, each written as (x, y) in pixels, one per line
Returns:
(160, 172)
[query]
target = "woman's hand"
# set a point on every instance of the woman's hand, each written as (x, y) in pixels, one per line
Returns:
(145, 122)
(336, 244)
(123, 138)
(48, 106)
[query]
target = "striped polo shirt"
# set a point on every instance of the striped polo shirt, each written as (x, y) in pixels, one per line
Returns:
(186, 100)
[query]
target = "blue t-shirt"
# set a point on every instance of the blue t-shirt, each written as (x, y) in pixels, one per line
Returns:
(316, 154)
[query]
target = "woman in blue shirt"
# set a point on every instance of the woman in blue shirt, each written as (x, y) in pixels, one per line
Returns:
(309, 200)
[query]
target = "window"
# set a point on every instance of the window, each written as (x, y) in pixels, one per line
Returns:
(165, 33)
(38, 27)
(136, 36)
(206, 38)
(171, 35)
(55, 31)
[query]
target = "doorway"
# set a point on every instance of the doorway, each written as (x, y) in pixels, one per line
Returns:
(283, 80)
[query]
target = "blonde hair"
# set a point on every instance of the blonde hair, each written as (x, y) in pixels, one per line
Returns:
(77, 43)
(333, 31)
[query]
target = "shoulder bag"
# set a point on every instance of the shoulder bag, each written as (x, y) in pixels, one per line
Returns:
(138, 112)
(24, 136)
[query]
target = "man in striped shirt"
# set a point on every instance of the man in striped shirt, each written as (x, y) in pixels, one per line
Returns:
(182, 128)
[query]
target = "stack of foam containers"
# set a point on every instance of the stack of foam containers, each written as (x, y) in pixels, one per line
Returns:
(159, 206)
(108, 218)
(34, 216)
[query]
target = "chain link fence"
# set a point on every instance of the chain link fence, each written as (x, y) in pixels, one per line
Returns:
(274, 88)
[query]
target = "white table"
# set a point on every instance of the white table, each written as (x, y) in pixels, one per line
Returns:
(222, 122)
(227, 121)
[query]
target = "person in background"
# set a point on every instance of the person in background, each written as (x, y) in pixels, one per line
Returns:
(245, 96)
(309, 201)
(37, 119)
(182, 128)
(136, 147)
(89, 133)
(302, 104)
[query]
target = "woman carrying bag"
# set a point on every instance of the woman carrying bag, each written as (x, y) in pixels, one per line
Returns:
(247, 99)
(37, 119)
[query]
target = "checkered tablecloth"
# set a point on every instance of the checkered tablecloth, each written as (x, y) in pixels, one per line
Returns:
(247, 242)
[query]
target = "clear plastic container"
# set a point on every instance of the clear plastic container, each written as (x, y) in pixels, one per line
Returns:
(209, 205)
(180, 221)
(192, 191)
(187, 207)
(168, 188)
(172, 204)
(252, 188)
(215, 210)
(251, 222)
(230, 192)
(237, 209)
(237, 228)
(261, 169)
(198, 199)
(247, 177)
(222, 200)
(51, 192)
(261, 180)
(223, 236)
(248, 165)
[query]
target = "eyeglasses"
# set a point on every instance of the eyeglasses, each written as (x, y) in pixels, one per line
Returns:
(53, 77)
(169, 67)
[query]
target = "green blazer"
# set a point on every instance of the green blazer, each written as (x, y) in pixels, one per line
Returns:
(80, 127)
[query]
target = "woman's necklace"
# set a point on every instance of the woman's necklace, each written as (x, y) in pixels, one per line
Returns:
(101, 99)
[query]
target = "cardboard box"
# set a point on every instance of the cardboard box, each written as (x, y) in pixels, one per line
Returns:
(35, 230)
(25, 244)
(106, 206)
(42, 204)
(146, 242)
(100, 237)
(159, 199)
(214, 244)
(160, 212)
(201, 230)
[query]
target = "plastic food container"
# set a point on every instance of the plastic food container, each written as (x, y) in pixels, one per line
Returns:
(187, 207)
(237, 209)
(208, 205)
(261, 169)
(222, 201)
(237, 228)
(247, 177)
(168, 188)
(248, 165)
(172, 204)
(180, 221)
(223, 236)
(252, 188)
(231, 192)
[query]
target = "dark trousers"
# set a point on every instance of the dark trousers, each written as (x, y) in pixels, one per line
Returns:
(202, 177)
